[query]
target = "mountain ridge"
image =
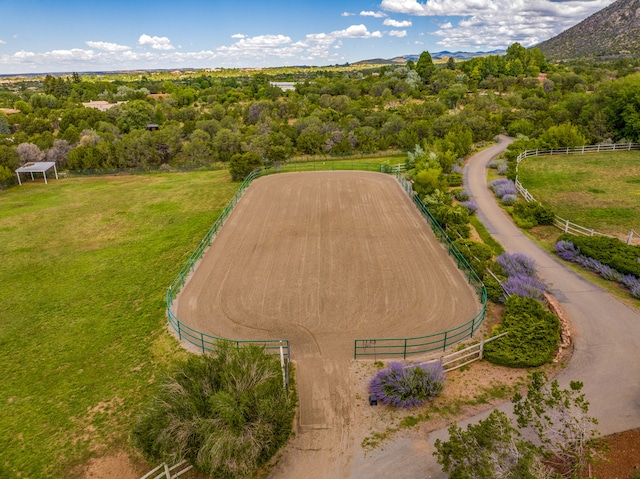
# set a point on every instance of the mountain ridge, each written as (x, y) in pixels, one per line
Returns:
(611, 32)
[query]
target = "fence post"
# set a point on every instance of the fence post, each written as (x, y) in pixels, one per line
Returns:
(179, 332)
(202, 342)
(445, 341)
(630, 237)
(481, 347)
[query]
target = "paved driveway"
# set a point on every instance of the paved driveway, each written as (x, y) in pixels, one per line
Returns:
(607, 339)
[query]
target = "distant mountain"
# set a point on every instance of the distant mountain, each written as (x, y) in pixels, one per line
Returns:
(613, 31)
(434, 56)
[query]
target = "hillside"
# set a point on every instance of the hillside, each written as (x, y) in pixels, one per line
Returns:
(611, 32)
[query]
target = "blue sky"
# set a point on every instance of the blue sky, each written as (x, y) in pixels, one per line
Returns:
(90, 35)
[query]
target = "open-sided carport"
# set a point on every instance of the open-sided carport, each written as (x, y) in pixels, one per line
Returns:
(37, 167)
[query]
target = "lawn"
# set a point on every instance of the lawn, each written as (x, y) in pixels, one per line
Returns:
(597, 191)
(84, 271)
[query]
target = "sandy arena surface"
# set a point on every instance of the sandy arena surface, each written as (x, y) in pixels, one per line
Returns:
(322, 259)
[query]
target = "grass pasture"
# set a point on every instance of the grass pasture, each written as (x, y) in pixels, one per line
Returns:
(85, 266)
(600, 191)
(84, 271)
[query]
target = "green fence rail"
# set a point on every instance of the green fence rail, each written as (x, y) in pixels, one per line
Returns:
(375, 347)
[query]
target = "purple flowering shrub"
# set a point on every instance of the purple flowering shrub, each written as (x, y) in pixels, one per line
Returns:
(470, 206)
(509, 200)
(569, 252)
(503, 186)
(410, 386)
(525, 286)
(516, 264)
(461, 195)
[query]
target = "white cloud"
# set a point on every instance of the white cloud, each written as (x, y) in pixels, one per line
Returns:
(398, 24)
(107, 47)
(490, 24)
(347, 14)
(398, 33)
(372, 14)
(157, 43)
(237, 35)
(354, 31)
(2, 42)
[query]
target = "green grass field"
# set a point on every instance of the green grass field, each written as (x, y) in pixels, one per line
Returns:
(85, 267)
(597, 191)
(86, 262)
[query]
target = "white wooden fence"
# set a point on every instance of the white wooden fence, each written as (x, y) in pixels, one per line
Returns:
(163, 471)
(465, 356)
(562, 223)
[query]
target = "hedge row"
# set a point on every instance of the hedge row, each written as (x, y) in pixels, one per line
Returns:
(609, 251)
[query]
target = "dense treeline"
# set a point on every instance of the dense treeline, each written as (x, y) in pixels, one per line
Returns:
(207, 118)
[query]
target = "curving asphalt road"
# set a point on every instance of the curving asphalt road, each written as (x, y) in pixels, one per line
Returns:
(606, 335)
(606, 353)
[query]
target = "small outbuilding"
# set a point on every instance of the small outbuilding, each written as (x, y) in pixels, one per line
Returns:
(37, 167)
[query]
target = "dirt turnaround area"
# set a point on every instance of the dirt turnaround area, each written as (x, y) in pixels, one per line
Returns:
(321, 259)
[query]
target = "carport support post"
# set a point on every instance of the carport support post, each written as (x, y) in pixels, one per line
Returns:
(18, 175)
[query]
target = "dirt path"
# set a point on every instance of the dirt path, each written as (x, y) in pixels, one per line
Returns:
(322, 259)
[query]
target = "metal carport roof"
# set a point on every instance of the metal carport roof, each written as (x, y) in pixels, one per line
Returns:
(37, 167)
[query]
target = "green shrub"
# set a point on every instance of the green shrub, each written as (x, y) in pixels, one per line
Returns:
(610, 251)
(477, 254)
(532, 213)
(454, 179)
(494, 290)
(225, 413)
(533, 336)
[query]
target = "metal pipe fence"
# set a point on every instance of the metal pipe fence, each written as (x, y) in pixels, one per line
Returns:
(374, 347)
(396, 346)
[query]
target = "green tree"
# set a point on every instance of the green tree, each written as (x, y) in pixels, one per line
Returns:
(490, 449)
(425, 67)
(226, 413)
(4, 125)
(560, 419)
(241, 165)
(563, 136)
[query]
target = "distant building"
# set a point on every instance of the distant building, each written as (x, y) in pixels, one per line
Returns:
(101, 104)
(284, 85)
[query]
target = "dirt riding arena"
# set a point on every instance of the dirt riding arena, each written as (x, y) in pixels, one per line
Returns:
(321, 259)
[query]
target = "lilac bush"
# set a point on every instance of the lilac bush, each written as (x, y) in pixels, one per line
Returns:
(462, 195)
(503, 186)
(509, 200)
(471, 206)
(503, 169)
(517, 264)
(525, 286)
(569, 252)
(410, 386)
